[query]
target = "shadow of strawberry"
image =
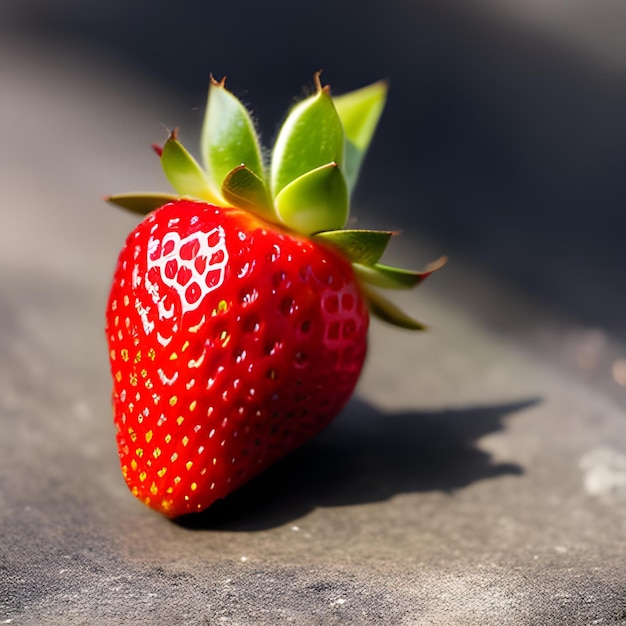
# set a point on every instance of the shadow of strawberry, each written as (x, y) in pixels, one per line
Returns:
(367, 456)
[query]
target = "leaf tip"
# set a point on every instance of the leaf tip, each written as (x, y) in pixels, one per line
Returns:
(317, 77)
(435, 265)
(217, 83)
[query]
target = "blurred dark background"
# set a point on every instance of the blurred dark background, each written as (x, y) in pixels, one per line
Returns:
(504, 133)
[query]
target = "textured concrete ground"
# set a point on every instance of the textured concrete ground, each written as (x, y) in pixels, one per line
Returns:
(478, 477)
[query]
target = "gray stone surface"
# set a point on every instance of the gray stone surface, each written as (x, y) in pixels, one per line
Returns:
(478, 477)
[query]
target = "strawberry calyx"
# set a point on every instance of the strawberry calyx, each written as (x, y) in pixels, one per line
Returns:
(304, 187)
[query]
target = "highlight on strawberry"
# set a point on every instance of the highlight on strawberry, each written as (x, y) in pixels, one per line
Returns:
(237, 318)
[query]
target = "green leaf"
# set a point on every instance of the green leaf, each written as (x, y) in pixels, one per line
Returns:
(228, 137)
(141, 203)
(311, 136)
(353, 158)
(359, 112)
(244, 189)
(393, 277)
(184, 173)
(360, 246)
(388, 312)
(317, 200)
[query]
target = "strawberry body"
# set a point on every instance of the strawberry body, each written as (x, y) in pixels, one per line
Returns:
(232, 342)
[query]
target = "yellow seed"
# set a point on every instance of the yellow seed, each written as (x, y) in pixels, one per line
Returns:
(193, 487)
(142, 476)
(166, 505)
(173, 400)
(157, 453)
(138, 356)
(185, 440)
(196, 328)
(118, 376)
(193, 405)
(169, 490)
(176, 480)
(185, 345)
(133, 379)
(173, 356)
(126, 300)
(152, 354)
(139, 452)
(174, 457)
(144, 373)
(189, 465)
(125, 470)
(133, 465)
(112, 355)
(124, 354)
(133, 437)
(149, 436)
(153, 489)
(161, 472)
(168, 438)
(135, 491)
(149, 384)
(147, 500)
(180, 420)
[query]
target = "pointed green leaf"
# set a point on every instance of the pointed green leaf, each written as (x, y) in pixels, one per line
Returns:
(360, 246)
(311, 136)
(142, 203)
(353, 157)
(228, 137)
(184, 173)
(317, 200)
(393, 277)
(359, 112)
(388, 312)
(244, 189)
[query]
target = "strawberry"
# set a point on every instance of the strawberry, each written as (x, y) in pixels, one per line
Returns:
(238, 315)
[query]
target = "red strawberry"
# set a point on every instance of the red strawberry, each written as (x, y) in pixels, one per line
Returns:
(237, 334)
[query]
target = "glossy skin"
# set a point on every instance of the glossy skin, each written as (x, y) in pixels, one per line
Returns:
(232, 342)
